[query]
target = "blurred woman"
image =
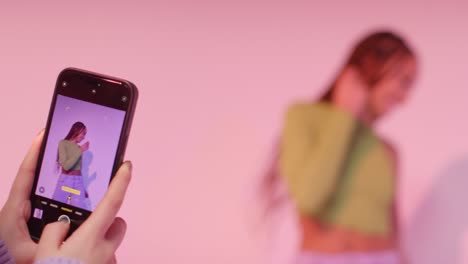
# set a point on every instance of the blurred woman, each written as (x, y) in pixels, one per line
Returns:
(340, 174)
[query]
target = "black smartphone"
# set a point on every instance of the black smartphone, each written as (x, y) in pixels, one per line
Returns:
(84, 144)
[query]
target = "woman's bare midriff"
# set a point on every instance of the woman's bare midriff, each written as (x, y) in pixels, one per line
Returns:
(329, 239)
(73, 173)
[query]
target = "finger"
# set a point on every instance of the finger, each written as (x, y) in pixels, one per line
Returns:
(103, 216)
(22, 185)
(53, 235)
(22, 223)
(116, 233)
(26, 210)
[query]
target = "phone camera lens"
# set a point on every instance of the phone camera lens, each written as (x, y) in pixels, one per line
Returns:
(124, 98)
(64, 84)
(99, 84)
(93, 91)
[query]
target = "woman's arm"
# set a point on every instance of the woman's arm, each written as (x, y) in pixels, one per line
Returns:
(396, 225)
(314, 149)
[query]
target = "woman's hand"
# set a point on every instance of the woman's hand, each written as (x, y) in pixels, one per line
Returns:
(16, 212)
(97, 239)
(85, 146)
(351, 93)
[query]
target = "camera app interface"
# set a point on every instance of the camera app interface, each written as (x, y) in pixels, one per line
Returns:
(79, 155)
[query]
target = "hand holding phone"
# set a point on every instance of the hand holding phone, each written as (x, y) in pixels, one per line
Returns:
(99, 237)
(95, 242)
(17, 209)
(71, 178)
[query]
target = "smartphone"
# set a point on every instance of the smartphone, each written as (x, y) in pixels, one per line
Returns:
(84, 144)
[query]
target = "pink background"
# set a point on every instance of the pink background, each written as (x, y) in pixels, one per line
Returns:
(214, 79)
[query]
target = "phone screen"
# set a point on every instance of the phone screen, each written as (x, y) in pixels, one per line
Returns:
(84, 143)
(79, 154)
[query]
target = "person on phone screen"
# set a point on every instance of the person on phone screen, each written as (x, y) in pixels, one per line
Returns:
(70, 187)
(339, 173)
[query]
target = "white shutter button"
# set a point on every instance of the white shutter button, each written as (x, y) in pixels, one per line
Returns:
(64, 219)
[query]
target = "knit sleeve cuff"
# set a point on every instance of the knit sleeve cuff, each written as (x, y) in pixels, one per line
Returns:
(5, 257)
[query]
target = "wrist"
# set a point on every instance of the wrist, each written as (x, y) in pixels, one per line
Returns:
(5, 255)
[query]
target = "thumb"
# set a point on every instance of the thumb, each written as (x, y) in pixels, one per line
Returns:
(53, 235)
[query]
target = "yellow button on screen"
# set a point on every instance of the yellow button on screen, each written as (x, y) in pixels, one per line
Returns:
(66, 209)
(70, 190)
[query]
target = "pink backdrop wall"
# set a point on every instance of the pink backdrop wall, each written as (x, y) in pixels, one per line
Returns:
(214, 79)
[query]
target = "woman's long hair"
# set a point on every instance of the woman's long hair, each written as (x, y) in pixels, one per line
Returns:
(371, 57)
(75, 130)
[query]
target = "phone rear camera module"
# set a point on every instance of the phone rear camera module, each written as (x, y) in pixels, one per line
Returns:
(124, 98)
(64, 84)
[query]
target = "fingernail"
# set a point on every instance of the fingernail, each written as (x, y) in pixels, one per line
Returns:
(129, 165)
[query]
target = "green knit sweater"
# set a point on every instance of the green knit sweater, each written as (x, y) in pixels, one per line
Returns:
(69, 155)
(337, 169)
